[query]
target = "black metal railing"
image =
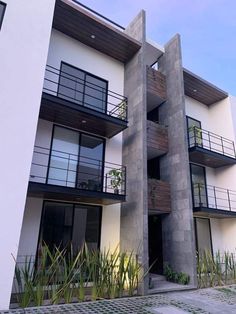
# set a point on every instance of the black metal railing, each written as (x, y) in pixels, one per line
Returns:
(77, 171)
(213, 197)
(83, 93)
(99, 15)
(211, 141)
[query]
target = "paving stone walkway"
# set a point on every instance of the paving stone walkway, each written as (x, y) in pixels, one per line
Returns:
(216, 301)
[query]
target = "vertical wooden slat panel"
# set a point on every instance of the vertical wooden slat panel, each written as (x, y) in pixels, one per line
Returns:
(157, 138)
(159, 196)
(156, 83)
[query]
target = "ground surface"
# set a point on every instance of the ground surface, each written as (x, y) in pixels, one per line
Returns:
(217, 300)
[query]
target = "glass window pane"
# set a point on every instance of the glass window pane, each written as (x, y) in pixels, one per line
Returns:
(92, 230)
(199, 186)
(203, 234)
(57, 224)
(90, 163)
(86, 226)
(64, 224)
(194, 133)
(64, 157)
(95, 93)
(71, 83)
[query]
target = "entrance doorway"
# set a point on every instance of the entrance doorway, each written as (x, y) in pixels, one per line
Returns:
(155, 244)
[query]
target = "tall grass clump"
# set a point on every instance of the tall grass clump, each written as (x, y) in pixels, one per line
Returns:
(215, 269)
(64, 276)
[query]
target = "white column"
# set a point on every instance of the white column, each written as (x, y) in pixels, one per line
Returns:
(24, 41)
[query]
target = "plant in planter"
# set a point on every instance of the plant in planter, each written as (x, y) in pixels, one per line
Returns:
(122, 110)
(197, 134)
(116, 177)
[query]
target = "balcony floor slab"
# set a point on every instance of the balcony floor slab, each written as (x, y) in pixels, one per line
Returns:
(213, 212)
(209, 158)
(56, 192)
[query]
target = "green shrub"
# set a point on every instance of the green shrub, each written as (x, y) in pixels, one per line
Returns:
(66, 276)
(215, 270)
(181, 278)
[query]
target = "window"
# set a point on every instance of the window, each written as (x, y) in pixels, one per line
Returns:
(83, 88)
(2, 12)
(194, 132)
(199, 190)
(76, 160)
(203, 234)
(65, 224)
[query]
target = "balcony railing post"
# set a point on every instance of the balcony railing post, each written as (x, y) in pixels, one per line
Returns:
(199, 194)
(209, 139)
(214, 190)
(194, 134)
(234, 150)
(67, 170)
(229, 199)
(106, 182)
(124, 169)
(222, 144)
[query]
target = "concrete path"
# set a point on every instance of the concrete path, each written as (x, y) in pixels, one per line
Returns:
(216, 301)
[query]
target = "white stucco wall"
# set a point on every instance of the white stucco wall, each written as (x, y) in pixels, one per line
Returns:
(30, 228)
(24, 39)
(64, 48)
(223, 235)
(218, 119)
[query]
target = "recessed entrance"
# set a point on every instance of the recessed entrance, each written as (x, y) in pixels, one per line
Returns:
(155, 244)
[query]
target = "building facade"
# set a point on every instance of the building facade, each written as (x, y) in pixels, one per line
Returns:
(110, 141)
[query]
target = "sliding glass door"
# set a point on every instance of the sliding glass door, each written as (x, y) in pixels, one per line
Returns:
(82, 87)
(65, 224)
(76, 160)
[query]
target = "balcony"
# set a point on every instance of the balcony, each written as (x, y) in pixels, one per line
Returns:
(215, 202)
(210, 149)
(70, 100)
(157, 139)
(63, 176)
(159, 201)
(156, 88)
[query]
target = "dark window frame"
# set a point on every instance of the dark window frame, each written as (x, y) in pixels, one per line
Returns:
(89, 74)
(80, 133)
(3, 12)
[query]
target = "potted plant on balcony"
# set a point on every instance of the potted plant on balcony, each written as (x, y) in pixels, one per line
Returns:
(122, 110)
(197, 134)
(116, 177)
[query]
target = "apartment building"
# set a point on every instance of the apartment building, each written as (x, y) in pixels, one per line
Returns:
(110, 141)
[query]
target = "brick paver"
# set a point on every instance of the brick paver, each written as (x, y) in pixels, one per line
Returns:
(217, 300)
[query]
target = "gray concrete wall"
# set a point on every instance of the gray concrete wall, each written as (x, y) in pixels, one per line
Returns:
(178, 229)
(134, 219)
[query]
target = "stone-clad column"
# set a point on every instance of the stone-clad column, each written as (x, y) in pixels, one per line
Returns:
(134, 220)
(178, 229)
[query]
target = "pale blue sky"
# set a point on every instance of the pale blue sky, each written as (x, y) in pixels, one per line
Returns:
(207, 29)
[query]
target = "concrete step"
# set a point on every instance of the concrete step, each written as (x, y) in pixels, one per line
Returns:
(165, 286)
(158, 284)
(155, 277)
